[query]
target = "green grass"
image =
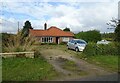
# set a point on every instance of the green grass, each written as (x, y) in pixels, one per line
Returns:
(108, 62)
(26, 69)
(0, 74)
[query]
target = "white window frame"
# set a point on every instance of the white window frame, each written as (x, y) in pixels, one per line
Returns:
(48, 39)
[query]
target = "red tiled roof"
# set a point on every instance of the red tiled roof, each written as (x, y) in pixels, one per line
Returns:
(52, 31)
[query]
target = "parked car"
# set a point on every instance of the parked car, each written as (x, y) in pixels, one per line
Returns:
(76, 44)
(103, 42)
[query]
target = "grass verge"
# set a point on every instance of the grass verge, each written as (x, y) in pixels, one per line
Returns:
(108, 62)
(26, 69)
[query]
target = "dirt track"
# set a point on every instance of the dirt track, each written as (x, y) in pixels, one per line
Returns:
(52, 56)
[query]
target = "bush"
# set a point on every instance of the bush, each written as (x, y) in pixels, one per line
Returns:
(109, 49)
(117, 44)
(90, 49)
(94, 49)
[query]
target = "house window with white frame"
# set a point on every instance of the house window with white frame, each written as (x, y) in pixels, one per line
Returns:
(47, 39)
(65, 39)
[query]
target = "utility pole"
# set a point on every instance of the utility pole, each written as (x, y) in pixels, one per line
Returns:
(18, 26)
(119, 10)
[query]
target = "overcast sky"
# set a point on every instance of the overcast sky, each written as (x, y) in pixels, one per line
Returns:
(78, 15)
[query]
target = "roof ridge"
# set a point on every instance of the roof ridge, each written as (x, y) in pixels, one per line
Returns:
(54, 27)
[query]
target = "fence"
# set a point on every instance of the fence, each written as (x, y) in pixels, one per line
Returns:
(18, 54)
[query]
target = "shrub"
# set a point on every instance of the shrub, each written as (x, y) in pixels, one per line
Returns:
(90, 49)
(108, 49)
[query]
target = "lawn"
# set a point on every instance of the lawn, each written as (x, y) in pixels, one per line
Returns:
(26, 69)
(108, 62)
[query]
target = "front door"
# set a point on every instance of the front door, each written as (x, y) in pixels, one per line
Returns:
(57, 40)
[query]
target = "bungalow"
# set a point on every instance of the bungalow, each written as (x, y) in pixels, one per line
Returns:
(51, 35)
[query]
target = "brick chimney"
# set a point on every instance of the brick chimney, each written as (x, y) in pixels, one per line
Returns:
(45, 26)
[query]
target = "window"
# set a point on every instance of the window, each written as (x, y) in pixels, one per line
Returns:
(43, 39)
(47, 39)
(81, 42)
(72, 41)
(65, 39)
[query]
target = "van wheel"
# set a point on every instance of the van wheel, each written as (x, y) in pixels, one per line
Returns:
(76, 49)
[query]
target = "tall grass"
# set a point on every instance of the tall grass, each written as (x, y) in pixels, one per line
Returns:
(18, 43)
